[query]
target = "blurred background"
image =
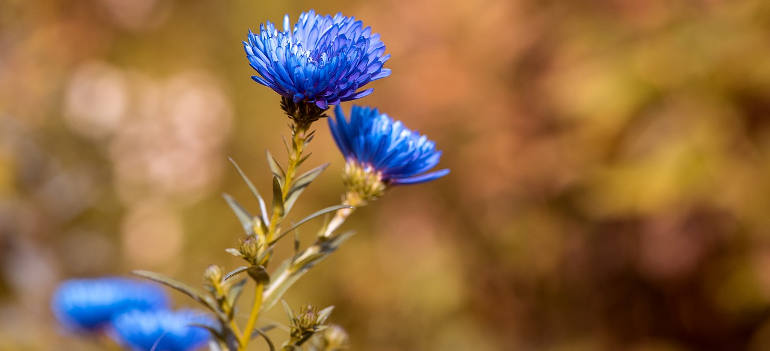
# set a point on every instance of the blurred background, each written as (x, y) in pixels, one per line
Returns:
(610, 185)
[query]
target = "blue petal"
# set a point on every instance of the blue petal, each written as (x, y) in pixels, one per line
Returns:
(322, 58)
(374, 139)
(421, 178)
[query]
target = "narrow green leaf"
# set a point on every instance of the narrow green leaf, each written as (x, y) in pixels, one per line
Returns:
(268, 327)
(243, 216)
(172, 283)
(253, 189)
(303, 159)
(246, 179)
(234, 272)
(261, 333)
(324, 314)
(282, 279)
(301, 183)
(309, 217)
(325, 248)
(277, 197)
(288, 310)
(214, 331)
(310, 175)
(286, 275)
(331, 245)
(234, 293)
(292, 197)
(309, 137)
(275, 167)
(183, 288)
(286, 145)
(263, 210)
(233, 252)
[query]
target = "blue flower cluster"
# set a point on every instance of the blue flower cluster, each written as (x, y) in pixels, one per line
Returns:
(136, 313)
(90, 304)
(323, 60)
(162, 330)
(374, 140)
(326, 60)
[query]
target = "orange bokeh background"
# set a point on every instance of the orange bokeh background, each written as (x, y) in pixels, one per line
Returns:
(610, 185)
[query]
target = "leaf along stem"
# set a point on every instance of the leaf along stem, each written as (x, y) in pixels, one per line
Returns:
(299, 138)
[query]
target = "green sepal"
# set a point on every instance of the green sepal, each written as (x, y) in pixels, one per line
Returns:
(259, 274)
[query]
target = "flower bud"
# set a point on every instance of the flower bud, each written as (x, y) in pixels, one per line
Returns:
(213, 274)
(250, 249)
(308, 321)
(333, 338)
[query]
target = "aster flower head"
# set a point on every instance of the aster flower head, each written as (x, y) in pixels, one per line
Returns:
(382, 152)
(162, 330)
(321, 61)
(90, 304)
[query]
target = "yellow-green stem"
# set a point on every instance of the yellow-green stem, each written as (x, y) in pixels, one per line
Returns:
(298, 143)
(339, 217)
(227, 309)
(246, 336)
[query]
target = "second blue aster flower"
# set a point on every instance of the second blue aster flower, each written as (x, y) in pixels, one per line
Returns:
(381, 152)
(323, 60)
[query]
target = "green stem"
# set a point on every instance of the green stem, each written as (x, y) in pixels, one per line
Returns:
(352, 199)
(246, 336)
(297, 147)
(339, 218)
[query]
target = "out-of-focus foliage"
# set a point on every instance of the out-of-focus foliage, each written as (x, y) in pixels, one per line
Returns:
(610, 185)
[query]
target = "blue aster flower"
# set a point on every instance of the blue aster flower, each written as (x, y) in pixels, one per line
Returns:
(375, 144)
(323, 60)
(90, 304)
(162, 330)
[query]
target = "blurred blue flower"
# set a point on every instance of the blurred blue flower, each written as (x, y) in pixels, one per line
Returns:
(323, 60)
(374, 140)
(162, 330)
(90, 304)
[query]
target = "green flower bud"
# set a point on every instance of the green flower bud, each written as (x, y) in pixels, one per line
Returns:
(333, 338)
(251, 248)
(213, 274)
